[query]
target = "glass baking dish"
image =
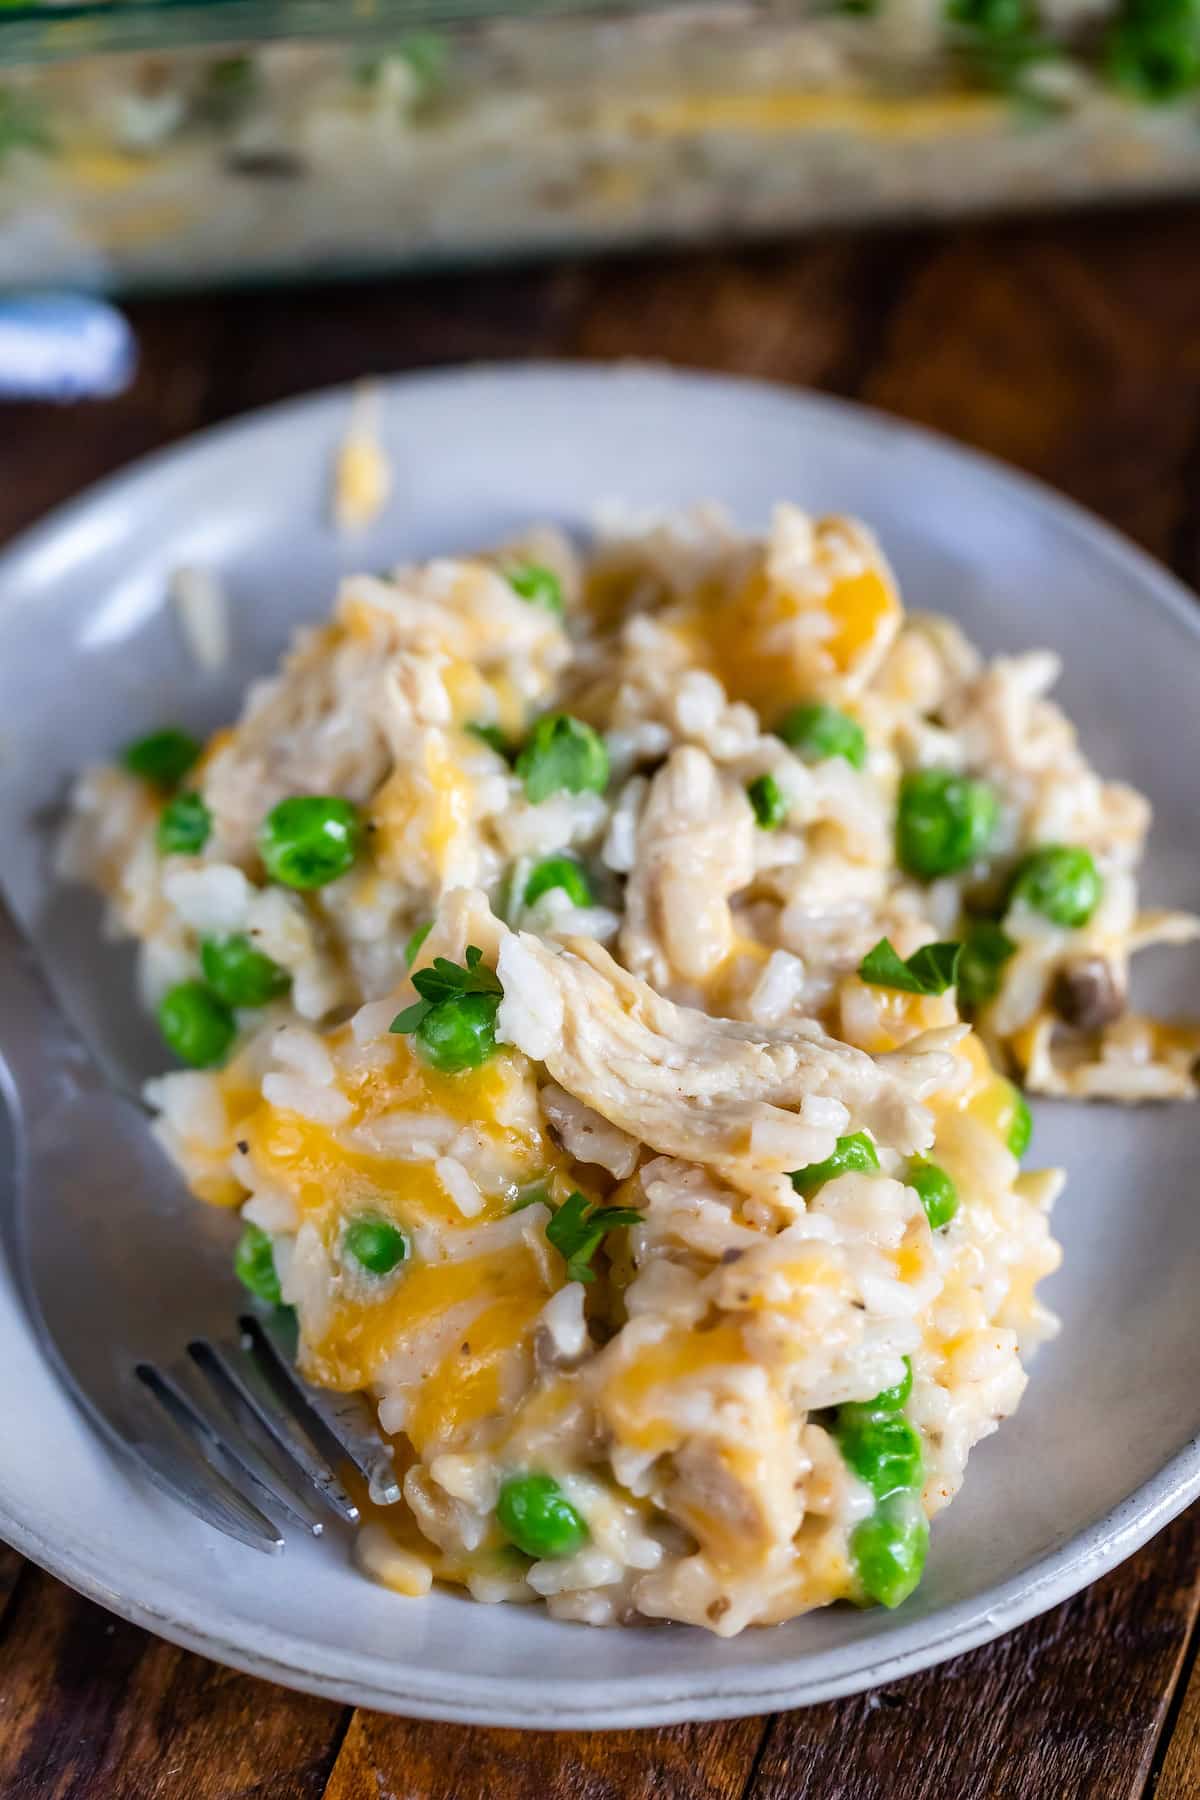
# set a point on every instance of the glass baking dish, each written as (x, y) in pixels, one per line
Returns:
(161, 144)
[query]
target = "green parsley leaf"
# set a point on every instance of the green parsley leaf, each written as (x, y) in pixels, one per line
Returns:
(577, 1228)
(492, 736)
(410, 1018)
(446, 980)
(413, 947)
(539, 585)
(443, 978)
(984, 954)
(536, 1194)
(930, 970)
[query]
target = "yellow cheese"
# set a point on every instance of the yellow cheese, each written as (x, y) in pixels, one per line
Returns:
(758, 638)
(892, 1016)
(362, 482)
(362, 1334)
(426, 816)
(788, 1286)
(915, 117)
(104, 171)
(451, 810)
(910, 1262)
(467, 1387)
(638, 1399)
(322, 1169)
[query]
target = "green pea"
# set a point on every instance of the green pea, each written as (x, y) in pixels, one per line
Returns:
(536, 1515)
(882, 1448)
(1152, 50)
(895, 1399)
(559, 872)
(377, 1244)
(767, 798)
(852, 1153)
(817, 732)
(937, 1193)
(254, 1265)
(889, 1549)
(563, 754)
(239, 974)
(162, 758)
(310, 839)
(413, 947)
(1020, 1125)
(1060, 881)
(945, 822)
(985, 951)
(459, 1033)
(196, 1025)
(539, 585)
(184, 825)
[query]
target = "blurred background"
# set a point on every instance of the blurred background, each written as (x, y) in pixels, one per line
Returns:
(882, 197)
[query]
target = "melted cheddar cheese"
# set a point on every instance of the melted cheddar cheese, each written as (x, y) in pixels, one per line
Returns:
(772, 641)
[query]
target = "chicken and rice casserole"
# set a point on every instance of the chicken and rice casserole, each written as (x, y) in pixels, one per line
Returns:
(606, 978)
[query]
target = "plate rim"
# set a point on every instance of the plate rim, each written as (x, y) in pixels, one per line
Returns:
(497, 1700)
(371, 1680)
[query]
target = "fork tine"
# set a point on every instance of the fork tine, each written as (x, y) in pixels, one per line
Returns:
(191, 1478)
(233, 1441)
(219, 1454)
(209, 1496)
(249, 1399)
(338, 1420)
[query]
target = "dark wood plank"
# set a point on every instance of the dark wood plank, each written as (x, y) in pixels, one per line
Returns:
(48, 453)
(90, 1706)
(1175, 1774)
(285, 344)
(809, 314)
(1071, 349)
(1068, 1708)
(385, 1757)
(11, 1569)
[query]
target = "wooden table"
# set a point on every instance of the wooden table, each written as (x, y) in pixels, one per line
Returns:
(1070, 348)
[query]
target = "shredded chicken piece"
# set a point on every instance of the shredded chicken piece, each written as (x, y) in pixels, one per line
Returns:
(292, 738)
(338, 717)
(462, 609)
(695, 848)
(713, 1091)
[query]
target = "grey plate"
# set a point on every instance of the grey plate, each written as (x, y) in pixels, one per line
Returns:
(1104, 1449)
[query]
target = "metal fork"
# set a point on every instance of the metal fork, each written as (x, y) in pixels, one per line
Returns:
(119, 1267)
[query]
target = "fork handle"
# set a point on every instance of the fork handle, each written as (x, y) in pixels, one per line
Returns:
(46, 1061)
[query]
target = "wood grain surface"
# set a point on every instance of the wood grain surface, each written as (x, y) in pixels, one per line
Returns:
(1069, 347)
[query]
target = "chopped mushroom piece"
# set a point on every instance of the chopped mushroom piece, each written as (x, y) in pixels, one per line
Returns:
(1087, 993)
